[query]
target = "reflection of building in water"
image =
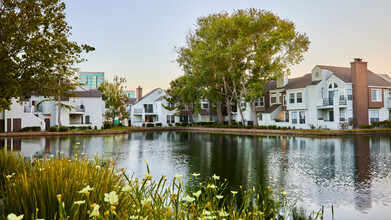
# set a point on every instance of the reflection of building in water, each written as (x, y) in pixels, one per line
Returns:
(28, 147)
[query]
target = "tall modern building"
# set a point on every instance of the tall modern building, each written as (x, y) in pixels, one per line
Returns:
(92, 79)
(130, 93)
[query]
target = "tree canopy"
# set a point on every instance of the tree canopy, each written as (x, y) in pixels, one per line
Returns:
(115, 100)
(233, 56)
(35, 50)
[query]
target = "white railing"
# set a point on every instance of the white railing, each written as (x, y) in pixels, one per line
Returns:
(138, 110)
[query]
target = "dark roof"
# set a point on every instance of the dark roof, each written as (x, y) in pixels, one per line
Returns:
(132, 101)
(300, 82)
(271, 85)
(87, 93)
(272, 108)
(344, 73)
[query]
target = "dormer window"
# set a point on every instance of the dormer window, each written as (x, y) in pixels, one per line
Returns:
(333, 85)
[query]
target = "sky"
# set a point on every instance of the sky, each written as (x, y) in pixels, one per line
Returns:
(137, 39)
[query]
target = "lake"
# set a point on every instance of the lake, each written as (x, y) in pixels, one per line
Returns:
(352, 173)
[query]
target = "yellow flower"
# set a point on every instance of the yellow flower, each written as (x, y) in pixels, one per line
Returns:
(196, 174)
(95, 211)
(86, 190)
(147, 176)
(211, 186)
(146, 201)
(126, 188)
(215, 177)
(178, 176)
(79, 202)
(112, 197)
(197, 194)
(12, 216)
(188, 198)
(219, 196)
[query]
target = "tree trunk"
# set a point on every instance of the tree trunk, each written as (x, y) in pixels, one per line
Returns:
(229, 110)
(219, 112)
(190, 115)
(241, 112)
(254, 114)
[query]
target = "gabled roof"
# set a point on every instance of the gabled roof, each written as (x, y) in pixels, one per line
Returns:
(149, 93)
(301, 82)
(160, 98)
(344, 73)
(272, 108)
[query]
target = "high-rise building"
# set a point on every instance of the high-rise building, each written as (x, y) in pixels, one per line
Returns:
(130, 93)
(92, 79)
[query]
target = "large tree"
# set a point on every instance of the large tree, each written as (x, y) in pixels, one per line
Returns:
(115, 100)
(35, 50)
(233, 56)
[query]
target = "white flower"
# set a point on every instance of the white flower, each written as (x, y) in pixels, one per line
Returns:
(97, 167)
(234, 192)
(112, 197)
(223, 214)
(133, 217)
(79, 202)
(211, 186)
(86, 190)
(205, 212)
(126, 188)
(196, 174)
(95, 212)
(219, 196)
(146, 201)
(188, 198)
(215, 177)
(178, 176)
(12, 216)
(197, 194)
(147, 176)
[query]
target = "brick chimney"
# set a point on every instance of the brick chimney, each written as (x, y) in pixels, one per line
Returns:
(360, 92)
(139, 93)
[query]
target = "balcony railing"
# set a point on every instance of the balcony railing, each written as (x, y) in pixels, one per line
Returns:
(32, 109)
(80, 108)
(330, 101)
(28, 109)
(138, 110)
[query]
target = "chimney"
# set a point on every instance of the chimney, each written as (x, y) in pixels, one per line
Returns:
(139, 93)
(282, 80)
(360, 92)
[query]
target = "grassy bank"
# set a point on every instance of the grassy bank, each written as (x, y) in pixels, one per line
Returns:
(59, 188)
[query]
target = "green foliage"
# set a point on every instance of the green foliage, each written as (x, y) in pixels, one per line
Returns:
(150, 125)
(106, 125)
(116, 101)
(63, 128)
(177, 124)
(53, 128)
(11, 165)
(185, 124)
(36, 53)
(382, 124)
(32, 128)
(366, 126)
(72, 189)
(158, 124)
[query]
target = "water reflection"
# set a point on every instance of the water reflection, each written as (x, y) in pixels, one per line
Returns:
(352, 173)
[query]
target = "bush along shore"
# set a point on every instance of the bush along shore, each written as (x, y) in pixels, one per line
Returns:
(60, 188)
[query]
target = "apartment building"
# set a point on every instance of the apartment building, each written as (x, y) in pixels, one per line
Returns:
(328, 97)
(86, 108)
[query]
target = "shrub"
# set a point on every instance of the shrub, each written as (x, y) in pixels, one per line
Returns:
(273, 127)
(382, 124)
(184, 123)
(177, 124)
(95, 127)
(53, 128)
(170, 125)
(249, 126)
(150, 125)
(119, 124)
(158, 124)
(107, 125)
(312, 126)
(365, 126)
(63, 128)
(32, 128)
(72, 128)
(344, 125)
(89, 127)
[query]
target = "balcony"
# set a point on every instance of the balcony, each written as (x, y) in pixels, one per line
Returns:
(33, 109)
(80, 108)
(138, 111)
(330, 102)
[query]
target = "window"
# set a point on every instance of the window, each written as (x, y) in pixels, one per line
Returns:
(205, 105)
(376, 95)
(342, 115)
(284, 100)
(149, 118)
(299, 97)
(260, 117)
(170, 119)
(273, 100)
(341, 95)
(291, 97)
(286, 116)
(350, 115)
(243, 105)
(350, 94)
(261, 102)
(88, 120)
(374, 115)
(389, 94)
(302, 117)
(294, 117)
(148, 108)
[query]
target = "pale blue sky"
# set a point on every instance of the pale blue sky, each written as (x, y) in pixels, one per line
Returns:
(136, 39)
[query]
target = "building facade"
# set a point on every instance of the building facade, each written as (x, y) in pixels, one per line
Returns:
(131, 94)
(92, 79)
(327, 98)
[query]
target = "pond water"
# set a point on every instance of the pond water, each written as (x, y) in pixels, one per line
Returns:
(351, 173)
